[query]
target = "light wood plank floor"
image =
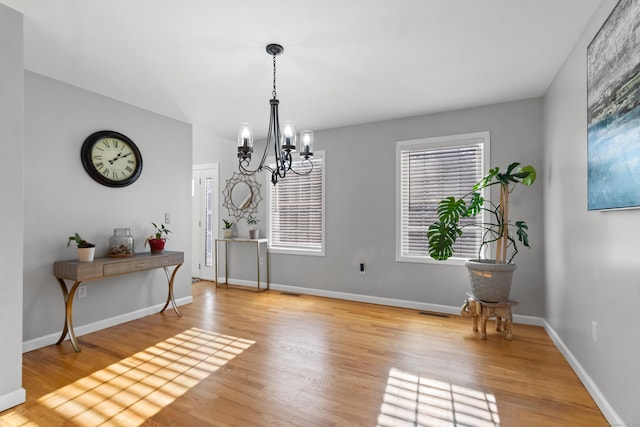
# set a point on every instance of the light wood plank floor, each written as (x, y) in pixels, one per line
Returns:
(238, 358)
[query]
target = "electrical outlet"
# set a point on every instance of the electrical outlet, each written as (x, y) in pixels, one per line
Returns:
(594, 331)
(82, 291)
(167, 218)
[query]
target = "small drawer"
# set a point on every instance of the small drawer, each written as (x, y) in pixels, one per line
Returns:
(147, 263)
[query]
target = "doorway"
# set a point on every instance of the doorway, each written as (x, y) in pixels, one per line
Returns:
(204, 196)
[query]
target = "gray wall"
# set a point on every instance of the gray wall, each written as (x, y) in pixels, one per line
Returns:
(60, 199)
(11, 194)
(360, 208)
(592, 267)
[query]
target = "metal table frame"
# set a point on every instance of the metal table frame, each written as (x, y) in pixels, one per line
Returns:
(256, 242)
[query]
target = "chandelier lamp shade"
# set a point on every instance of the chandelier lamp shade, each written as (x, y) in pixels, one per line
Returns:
(282, 140)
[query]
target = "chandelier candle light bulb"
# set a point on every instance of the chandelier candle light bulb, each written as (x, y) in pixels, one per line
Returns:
(289, 139)
(245, 141)
(307, 143)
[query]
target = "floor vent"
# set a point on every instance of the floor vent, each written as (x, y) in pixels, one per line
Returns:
(431, 313)
(291, 294)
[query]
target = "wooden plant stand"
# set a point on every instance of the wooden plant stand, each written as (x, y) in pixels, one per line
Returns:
(483, 310)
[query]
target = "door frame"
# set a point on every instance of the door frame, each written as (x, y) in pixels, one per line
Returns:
(199, 269)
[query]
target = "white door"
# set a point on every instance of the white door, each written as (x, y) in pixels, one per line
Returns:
(204, 195)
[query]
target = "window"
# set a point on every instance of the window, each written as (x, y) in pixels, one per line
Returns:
(296, 211)
(429, 170)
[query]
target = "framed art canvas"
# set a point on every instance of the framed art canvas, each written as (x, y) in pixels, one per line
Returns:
(613, 111)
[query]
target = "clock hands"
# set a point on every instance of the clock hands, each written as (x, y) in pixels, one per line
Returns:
(119, 156)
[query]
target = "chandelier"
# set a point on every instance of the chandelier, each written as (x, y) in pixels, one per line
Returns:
(283, 143)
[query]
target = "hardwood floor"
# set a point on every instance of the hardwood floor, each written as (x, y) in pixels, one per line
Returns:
(238, 358)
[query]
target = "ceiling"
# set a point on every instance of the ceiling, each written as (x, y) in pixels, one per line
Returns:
(345, 61)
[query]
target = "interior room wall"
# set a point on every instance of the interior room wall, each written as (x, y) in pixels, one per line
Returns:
(11, 194)
(592, 268)
(61, 198)
(361, 214)
(211, 148)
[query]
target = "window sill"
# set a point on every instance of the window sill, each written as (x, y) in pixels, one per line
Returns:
(425, 260)
(296, 251)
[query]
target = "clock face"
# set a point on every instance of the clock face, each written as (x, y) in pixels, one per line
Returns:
(112, 159)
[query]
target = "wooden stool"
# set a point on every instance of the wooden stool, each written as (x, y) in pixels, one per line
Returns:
(484, 310)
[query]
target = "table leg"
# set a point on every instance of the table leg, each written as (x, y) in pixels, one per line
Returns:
(477, 308)
(266, 249)
(508, 325)
(483, 322)
(215, 252)
(226, 263)
(258, 263)
(170, 298)
(65, 295)
(68, 313)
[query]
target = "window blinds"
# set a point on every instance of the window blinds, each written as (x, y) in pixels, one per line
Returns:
(296, 209)
(428, 175)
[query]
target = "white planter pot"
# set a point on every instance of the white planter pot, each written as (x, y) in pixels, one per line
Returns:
(489, 281)
(254, 234)
(86, 254)
(227, 234)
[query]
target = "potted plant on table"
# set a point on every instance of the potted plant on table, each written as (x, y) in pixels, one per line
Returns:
(227, 230)
(86, 250)
(156, 241)
(252, 222)
(490, 278)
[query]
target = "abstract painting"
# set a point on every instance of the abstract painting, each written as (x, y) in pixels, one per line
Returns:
(613, 111)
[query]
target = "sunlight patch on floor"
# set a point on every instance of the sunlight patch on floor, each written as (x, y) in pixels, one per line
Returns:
(131, 391)
(411, 400)
(14, 419)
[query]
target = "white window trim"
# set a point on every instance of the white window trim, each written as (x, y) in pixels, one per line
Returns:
(298, 251)
(440, 141)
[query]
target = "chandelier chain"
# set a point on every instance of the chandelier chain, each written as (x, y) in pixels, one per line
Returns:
(275, 95)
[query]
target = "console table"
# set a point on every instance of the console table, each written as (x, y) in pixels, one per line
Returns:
(100, 268)
(256, 242)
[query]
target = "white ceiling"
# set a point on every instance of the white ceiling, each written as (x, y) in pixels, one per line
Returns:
(345, 61)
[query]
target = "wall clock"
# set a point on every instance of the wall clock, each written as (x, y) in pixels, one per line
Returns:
(111, 158)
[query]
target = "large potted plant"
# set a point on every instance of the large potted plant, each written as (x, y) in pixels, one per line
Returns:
(86, 250)
(156, 241)
(490, 277)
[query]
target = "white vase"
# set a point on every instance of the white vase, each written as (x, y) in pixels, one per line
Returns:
(86, 254)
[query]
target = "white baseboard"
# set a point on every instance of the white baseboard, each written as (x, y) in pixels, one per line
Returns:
(12, 399)
(609, 413)
(99, 325)
(245, 283)
(423, 306)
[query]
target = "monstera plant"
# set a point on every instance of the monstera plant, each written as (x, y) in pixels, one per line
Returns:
(444, 232)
